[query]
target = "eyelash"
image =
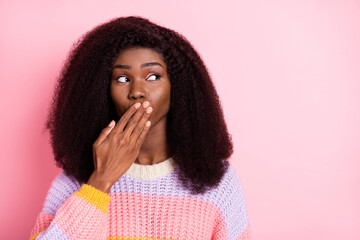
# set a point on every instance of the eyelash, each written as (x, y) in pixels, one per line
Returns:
(156, 75)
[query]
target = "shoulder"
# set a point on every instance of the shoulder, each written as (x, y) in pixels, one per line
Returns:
(230, 200)
(230, 187)
(61, 188)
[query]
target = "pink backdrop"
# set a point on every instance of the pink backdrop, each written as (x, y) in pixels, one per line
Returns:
(288, 75)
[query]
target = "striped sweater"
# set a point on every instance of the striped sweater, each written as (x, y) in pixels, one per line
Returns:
(147, 202)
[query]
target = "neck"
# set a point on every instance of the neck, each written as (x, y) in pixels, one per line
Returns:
(154, 148)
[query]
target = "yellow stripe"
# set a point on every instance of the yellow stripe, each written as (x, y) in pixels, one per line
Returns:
(34, 237)
(95, 197)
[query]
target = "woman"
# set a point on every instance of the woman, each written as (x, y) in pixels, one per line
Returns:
(137, 127)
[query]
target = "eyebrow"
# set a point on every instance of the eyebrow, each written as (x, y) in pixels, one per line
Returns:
(149, 64)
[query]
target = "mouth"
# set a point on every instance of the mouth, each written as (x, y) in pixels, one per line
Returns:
(141, 102)
(133, 105)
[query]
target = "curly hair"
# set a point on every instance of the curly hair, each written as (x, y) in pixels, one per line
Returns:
(82, 106)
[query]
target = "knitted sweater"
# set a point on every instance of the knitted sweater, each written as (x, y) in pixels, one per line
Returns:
(147, 202)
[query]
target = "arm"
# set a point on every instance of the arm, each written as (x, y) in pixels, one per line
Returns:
(232, 223)
(83, 214)
(72, 211)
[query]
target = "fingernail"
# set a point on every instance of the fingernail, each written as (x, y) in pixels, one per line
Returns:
(137, 105)
(149, 110)
(146, 104)
(111, 124)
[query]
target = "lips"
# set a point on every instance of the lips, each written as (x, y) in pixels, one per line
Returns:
(132, 104)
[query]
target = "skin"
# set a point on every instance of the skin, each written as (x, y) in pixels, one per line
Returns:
(139, 75)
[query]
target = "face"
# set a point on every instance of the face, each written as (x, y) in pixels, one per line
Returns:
(140, 74)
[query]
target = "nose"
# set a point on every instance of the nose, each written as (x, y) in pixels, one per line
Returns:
(137, 90)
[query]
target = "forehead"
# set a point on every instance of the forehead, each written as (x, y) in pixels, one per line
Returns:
(138, 55)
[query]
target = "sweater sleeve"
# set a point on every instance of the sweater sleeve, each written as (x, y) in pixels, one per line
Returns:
(72, 211)
(232, 222)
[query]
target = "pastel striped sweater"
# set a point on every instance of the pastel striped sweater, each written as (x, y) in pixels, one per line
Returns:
(147, 202)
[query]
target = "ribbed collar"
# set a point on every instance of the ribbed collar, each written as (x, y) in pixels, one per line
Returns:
(153, 171)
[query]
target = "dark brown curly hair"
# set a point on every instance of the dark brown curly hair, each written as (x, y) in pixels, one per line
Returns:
(82, 106)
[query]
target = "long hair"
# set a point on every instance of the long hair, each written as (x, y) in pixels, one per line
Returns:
(82, 106)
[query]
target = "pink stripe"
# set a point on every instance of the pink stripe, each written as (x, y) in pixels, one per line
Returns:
(245, 235)
(42, 223)
(73, 219)
(220, 230)
(166, 218)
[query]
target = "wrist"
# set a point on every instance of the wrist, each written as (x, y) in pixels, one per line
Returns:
(98, 183)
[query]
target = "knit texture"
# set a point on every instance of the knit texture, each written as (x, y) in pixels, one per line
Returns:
(147, 202)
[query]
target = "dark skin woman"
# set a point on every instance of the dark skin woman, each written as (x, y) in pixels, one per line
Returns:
(116, 65)
(137, 126)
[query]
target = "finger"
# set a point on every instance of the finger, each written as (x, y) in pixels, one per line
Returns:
(140, 126)
(143, 134)
(125, 118)
(104, 133)
(134, 121)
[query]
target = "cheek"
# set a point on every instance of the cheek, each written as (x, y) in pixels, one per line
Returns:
(163, 105)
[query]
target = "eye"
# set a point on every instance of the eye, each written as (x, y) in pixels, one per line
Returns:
(121, 79)
(154, 77)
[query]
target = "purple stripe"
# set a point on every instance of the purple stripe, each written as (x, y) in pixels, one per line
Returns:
(61, 188)
(53, 232)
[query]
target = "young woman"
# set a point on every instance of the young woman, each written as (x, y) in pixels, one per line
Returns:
(137, 127)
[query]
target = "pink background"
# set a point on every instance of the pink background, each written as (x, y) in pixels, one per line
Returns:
(288, 75)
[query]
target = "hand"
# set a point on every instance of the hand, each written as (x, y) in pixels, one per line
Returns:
(116, 148)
